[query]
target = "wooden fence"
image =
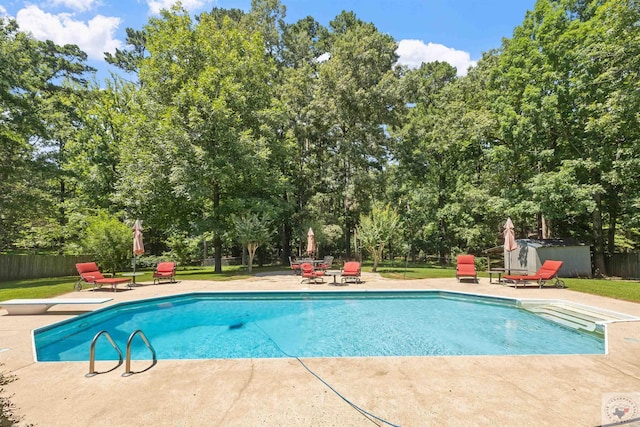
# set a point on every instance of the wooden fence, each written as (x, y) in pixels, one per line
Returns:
(18, 267)
(625, 265)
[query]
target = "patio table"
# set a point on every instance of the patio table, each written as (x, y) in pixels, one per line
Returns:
(334, 273)
(134, 275)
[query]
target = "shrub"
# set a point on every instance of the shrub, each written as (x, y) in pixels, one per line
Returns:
(109, 241)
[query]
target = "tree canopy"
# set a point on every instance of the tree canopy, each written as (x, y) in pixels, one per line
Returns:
(234, 114)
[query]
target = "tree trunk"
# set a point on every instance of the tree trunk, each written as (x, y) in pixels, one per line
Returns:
(62, 220)
(377, 256)
(286, 241)
(355, 243)
(444, 250)
(347, 241)
(598, 238)
(613, 220)
(539, 225)
(546, 227)
(251, 249)
(205, 249)
(217, 240)
(245, 256)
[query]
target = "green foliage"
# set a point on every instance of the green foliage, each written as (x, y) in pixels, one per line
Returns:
(109, 240)
(378, 229)
(36, 101)
(205, 86)
(183, 248)
(252, 230)
(232, 112)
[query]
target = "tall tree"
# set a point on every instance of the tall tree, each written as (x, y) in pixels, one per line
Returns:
(302, 45)
(356, 99)
(559, 85)
(205, 86)
(38, 81)
(425, 153)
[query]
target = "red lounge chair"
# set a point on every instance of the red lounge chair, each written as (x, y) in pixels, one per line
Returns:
(350, 272)
(548, 272)
(310, 274)
(165, 270)
(90, 274)
(466, 268)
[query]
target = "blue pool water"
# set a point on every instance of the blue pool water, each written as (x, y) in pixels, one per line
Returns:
(338, 324)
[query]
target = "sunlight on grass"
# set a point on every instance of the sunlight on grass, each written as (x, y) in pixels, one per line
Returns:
(55, 286)
(620, 289)
(415, 273)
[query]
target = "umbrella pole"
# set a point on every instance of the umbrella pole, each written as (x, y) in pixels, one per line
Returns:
(135, 258)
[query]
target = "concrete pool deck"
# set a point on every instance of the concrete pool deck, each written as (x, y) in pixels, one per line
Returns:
(567, 390)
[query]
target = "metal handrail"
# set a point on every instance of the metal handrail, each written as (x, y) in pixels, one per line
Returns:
(92, 352)
(128, 370)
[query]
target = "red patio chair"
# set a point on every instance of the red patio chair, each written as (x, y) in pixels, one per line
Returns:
(295, 266)
(326, 263)
(351, 272)
(165, 270)
(466, 268)
(547, 272)
(91, 275)
(310, 274)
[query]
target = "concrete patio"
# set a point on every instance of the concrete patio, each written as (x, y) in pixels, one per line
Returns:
(408, 391)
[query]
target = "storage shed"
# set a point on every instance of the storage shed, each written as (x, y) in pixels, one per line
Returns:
(531, 253)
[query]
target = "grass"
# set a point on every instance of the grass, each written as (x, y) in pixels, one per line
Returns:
(50, 287)
(36, 288)
(628, 290)
(415, 272)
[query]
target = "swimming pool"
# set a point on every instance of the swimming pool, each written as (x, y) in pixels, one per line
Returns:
(315, 324)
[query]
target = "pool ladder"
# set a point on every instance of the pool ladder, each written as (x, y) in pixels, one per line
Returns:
(128, 371)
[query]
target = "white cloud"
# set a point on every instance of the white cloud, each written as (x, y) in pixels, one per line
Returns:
(3, 11)
(94, 37)
(156, 5)
(324, 57)
(77, 5)
(414, 52)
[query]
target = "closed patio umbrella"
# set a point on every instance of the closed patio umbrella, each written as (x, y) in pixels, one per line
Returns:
(311, 242)
(510, 243)
(138, 246)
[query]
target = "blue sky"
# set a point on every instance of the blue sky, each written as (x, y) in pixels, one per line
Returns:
(457, 32)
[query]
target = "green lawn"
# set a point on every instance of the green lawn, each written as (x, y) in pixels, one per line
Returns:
(52, 287)
(45, 288)
(628, 290)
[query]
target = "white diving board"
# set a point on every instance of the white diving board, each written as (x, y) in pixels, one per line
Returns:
(39, 306)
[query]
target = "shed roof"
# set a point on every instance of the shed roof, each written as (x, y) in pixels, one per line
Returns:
(494, 250)
(539, 243)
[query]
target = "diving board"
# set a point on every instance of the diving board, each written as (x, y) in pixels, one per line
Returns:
(39, 306)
